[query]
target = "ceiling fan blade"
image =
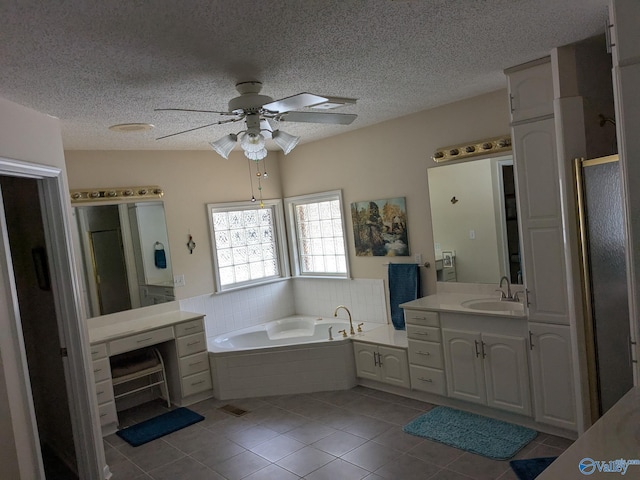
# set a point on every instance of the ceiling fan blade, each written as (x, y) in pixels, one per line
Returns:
(294, 102)
(190, 110)
(317, 117)
(198, 128)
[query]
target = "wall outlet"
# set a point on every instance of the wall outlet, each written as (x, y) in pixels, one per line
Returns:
(472, 234)
(178, 281)
(418, 258)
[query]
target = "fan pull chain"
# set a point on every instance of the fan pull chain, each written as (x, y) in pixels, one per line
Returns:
(253, 198)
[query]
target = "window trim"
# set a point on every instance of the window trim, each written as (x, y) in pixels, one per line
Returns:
(292, 228)
(276, 206)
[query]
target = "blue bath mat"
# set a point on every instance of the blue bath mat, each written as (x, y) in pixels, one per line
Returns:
(159, 426)
(530, 468)
(476, 434)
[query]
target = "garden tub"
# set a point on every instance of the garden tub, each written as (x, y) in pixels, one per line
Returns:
(286, 356)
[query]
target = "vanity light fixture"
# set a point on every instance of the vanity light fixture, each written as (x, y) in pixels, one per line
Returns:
(472, 149)
(119, 193)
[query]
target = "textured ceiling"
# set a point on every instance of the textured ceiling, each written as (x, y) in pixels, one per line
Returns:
(95, 63)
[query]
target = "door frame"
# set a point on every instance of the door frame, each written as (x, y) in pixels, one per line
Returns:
(73, 333)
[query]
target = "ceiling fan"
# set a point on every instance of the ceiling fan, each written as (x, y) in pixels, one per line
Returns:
(261, 112)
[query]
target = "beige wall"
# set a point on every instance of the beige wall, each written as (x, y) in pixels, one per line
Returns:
(382, 161)
(190, 180)
(390, 160)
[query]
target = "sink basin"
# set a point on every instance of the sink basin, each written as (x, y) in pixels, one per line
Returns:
(492, 305)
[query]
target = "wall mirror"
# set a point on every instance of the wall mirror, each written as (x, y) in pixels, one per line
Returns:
(475, 225)
(126, 261)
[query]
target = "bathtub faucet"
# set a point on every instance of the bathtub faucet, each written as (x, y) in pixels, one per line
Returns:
(335, 314)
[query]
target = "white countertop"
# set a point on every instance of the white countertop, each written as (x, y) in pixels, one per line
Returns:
(383, 335)
(452, 302)
(613, 437)
(104, 332)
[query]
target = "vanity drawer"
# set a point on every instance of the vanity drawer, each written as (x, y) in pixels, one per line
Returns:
(140, 340)
(191, 344)
(427, 379)
(418, 332)
(107, 413)
(420, 317)
(98, 351)
(104, 392)
(196, 383)
(101, 370)
(188, 328)
(427, 354)
(194, 363)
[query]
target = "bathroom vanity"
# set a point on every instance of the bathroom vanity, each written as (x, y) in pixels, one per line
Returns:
(483, 351)
(179, 337)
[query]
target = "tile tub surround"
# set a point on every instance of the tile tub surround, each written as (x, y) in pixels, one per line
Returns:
(235, 310)
(353, 434)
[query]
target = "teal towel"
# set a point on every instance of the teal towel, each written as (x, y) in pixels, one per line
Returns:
(404, 286)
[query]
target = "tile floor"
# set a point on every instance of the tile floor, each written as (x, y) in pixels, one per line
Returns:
(343, 435)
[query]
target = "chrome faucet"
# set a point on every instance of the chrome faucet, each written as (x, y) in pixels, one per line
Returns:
(335, 314)
(508, 297)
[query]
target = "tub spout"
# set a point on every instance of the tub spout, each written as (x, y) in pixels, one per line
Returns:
(335, 314)
(330, 335)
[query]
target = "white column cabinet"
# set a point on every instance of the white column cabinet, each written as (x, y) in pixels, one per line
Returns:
(382, 363)
(540, 218)
(489, 369)
(552, 375)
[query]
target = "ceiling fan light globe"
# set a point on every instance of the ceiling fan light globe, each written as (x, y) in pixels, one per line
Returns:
(252, 142)
(285, 141)
(259, 155)
(224, 146)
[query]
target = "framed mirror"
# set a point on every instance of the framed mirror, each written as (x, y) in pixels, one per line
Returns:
(126, 262)
(475, 221)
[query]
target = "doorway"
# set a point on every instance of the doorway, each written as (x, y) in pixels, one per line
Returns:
(39, 325)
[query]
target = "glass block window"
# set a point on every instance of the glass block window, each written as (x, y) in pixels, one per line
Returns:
(246, 243)
(317, 234)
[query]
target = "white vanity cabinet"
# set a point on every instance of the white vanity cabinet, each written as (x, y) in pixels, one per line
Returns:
(191, 374)
(552, 375)
(487, 368)
(104, 386)
(426, 362)
(178, 336)
(381, 363)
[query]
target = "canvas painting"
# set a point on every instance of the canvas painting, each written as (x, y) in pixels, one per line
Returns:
(380, 228)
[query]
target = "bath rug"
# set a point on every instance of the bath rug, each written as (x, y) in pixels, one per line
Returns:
(530, 468)
(470, 432)
(159, 426)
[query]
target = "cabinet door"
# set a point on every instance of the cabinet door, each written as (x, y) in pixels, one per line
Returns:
(531, 92)
(506, 373)
(394, 366)
(366, 362)
(463, 365)
(554, 395)
(536, 169)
